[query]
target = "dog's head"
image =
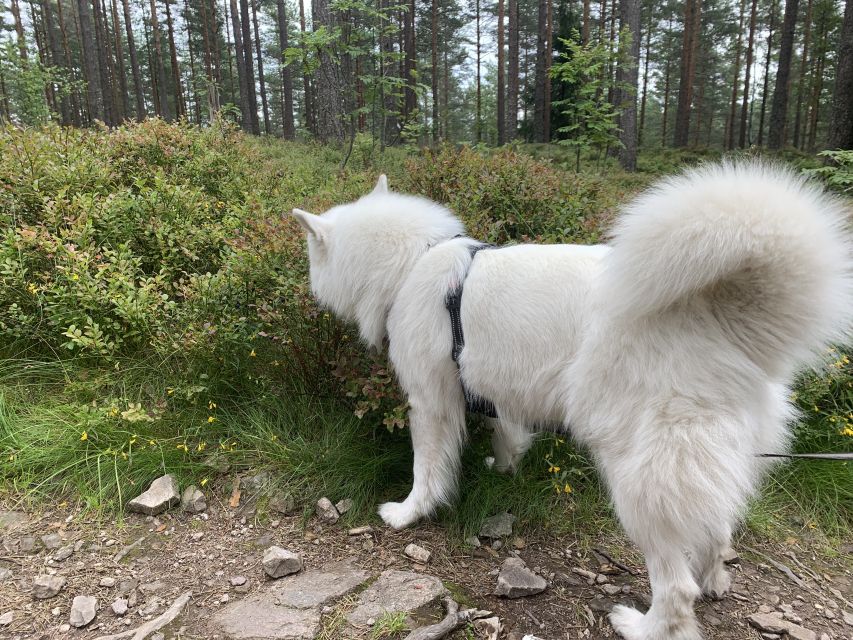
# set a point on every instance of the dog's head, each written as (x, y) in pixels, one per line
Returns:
(360, 252)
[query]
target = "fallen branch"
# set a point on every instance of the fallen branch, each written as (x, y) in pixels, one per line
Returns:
(793, 577)
(140, 633)
(121, 554)
(452, 621)
(615, 563)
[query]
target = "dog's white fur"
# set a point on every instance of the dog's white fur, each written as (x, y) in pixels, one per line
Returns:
(668, 352)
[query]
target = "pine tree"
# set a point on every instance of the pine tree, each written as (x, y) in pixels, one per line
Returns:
(779, 108)
(841, 122)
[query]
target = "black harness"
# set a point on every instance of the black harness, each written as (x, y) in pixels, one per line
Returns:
(453, 302)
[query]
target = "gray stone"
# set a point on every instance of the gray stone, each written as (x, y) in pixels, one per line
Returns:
(774, 623)
(7, 618)
(5, 574)
(282, 503)
(192, 500)
(848, 617)
(417, 553)
(611, 589)
(257, 618)
(83, 610)
(343, 505)
(280, 562)
(326, 511)
(396, 591)
(45, 587)
(64, 553)
(51, 541)
(499, 526)
(257, 482)
(11, 519)
(315, 588)
(119, 607)
(473, 542)
(238, 581)
(107, 581)
(161, 495)
(488, 628)
(27, 544)
(516, 581)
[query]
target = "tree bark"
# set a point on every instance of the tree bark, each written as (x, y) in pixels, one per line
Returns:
(540, 86)
(585, 23)
(690, 40)
(626, 74)
(513, 72)
(730, 122)
(411, 96)
(645, 78)
(288, 129)
(120, 70)
(134, 63)
(264, 104)
(90, 62)
(803, 82)
(434, 73)
(19, 30)
(245, 115)
(779, 108)
(841, 119)
(501, 88)
(158, 70)
(667, 75)
(57, 58)
(180, 107)
(750, 48)
(306, 81)
(249, 67)
(478, 123)
(328, 83)
(102, 41)
(766, 72)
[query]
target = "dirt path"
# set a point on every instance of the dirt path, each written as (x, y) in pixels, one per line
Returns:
(216, 555)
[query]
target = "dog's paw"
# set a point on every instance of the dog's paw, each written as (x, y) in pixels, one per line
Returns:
(397, 515)
(717, 583)
(627, 622)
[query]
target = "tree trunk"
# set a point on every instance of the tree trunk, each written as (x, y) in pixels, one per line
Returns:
(306, 81)
(817, 82)
(245, 115)
(730, 123)
(766, 72)
(511, 131)
(690, 41)
(803, 82)
(19, 30)
(841, 119)
(288, 129)
(585, 23)
(626, 74)
(249, 67)
(57, 59)
(75, 103)
(180, 107)
(192, 82)
(328, 83)
(478, 123)
(119, 50)
(90, 62)
(549, 48)
(411, 99)
(102, 42)
(645, 78)
(134, 63)
(667, 74)
(750, 47)
(158, 70)
(387, 65)
(779, 108)
(228, 27)
(539, 134)
(501, 88)
(264, 104)
(434, 72)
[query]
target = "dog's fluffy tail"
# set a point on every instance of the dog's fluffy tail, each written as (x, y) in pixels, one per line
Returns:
(768, 252)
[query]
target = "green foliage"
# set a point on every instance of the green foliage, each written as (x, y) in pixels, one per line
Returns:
(838, 173)
(25, 82)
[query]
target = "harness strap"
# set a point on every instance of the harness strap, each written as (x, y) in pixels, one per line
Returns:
(453, 302)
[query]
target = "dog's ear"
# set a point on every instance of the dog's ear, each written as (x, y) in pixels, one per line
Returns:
(314, 225)
(381, 185)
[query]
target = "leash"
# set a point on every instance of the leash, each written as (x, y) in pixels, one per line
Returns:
(808, 456)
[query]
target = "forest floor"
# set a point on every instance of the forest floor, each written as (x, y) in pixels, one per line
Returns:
(216, 557)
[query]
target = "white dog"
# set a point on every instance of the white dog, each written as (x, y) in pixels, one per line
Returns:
(668, 352)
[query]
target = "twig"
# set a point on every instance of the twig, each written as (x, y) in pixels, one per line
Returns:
(781, 567)
(140, 633)
(803, 567)
(452, 621)
(615, 563)
(121, 554)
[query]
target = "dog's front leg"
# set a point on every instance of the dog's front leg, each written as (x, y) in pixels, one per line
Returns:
(438, 434)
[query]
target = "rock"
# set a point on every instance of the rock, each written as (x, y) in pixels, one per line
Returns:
(7, 618)
(119, 607)
(280, 562)
(64, 553)
(611, 589)
(516, 581)
(488, 628)
(64, 628)
(396, 591)
(45, 587)
(27, 544)
(473, 542)
(5, 574)
(774, 623)
(282, 503)
(257, 482)
(11, 519)
(192, 500)
(418, 554)
(107, 582)
(237, 581)
(291, 608)
(357, 531)
(83, 610)
(499, 526)
(326, 511)
(51, 541)
(161, 495)
(343, 506)
(848, 617)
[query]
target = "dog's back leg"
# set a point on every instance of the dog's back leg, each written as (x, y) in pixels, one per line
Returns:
(510, 441)
(438, 433)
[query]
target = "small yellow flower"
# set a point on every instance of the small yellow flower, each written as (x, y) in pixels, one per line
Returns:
(203, 482)
(170, 391)
(847, 431)
(74, 276)
(84, 436)
(123, 455)
(201, 446)
(211, 419)
(133, 438)
(32, 288)
(183, 447)
(153, 443)
(211, 405)
(553, 469)
(567, 489)
(253, 354)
